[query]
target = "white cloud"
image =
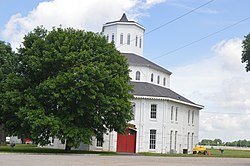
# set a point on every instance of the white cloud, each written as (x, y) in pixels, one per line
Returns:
(150, 3)
(229, 52)
(88, 15)
(222, 85)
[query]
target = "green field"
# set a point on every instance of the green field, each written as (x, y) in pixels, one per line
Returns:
(230, 153)
(213, 153)
(22, 148)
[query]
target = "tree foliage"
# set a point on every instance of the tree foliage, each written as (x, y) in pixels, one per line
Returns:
(210, 142)
(239, 143)
(8, 64)
(218, 142)
(72, 85)
(246, 52)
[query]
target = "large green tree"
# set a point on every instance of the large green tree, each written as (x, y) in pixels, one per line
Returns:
(246, 52)
(73, 86)
(8, 65)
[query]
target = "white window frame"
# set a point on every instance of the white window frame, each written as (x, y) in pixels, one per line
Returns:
(171, 140)
(128, 39)
(133, 110)
(121, 38)
(153, 111)
(152, 77)
(172, 113)
(175, 140)
(158, 79)
(176, 114)
(107, 37)
(152, 139)
(192, 117)
(137, 75)
(189, 116)
(140, 42)
(99, 143)
(113, 37)
(164, 81)
(136, 40)
(192, 140)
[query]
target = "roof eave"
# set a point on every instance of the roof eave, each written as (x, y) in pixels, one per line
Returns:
(123, 23)
(162, 70)
(170, 99)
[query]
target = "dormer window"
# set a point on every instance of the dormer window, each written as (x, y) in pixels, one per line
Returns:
(137, 75)
(128, 39)
(121, 38)
(113, 37)
(158, 79)
(164, 81)
(136, 40)
(152, 77)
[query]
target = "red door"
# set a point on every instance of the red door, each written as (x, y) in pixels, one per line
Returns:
(127, 142)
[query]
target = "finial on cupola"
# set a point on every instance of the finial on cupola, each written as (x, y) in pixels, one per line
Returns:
(124, 18)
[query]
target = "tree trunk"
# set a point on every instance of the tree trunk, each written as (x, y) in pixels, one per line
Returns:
(2, 135)
(23, 139)
(68, 147)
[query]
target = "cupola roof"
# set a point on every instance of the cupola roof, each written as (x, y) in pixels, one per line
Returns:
(124, 18)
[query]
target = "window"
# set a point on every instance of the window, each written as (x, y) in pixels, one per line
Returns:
(192, 140)
(140, 43)
(192, 117)
(176, 114)
(152, 77)
(137, 75)
(107, 37)
(133, 110)
(188, 116)
(136, 41)
(171, 139)
(99, 143)
(153, 111)
(158, 79)
(175, 141)
(128, 39)
(172, 112)
(164, 81)
(113, 37)
(188, 140)
(121, 38)
(152, 139)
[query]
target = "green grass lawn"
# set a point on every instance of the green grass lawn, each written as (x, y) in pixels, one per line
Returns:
(230, 153)
(23, 148)
(213, 153)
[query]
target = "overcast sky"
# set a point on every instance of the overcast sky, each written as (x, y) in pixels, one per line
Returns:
(202, 48)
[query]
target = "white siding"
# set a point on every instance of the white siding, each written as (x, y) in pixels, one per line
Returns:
(145, 73)
(126, 28)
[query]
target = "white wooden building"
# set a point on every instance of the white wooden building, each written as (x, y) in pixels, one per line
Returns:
(164, 121)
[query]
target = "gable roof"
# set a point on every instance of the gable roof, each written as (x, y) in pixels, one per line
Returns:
(147, 89)
(136, 60)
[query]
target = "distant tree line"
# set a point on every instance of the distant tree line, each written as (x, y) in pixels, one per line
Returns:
(218, 142)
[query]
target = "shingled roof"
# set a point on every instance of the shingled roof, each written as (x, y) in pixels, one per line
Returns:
(125, 20)
(147, 89)
(136, 60)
